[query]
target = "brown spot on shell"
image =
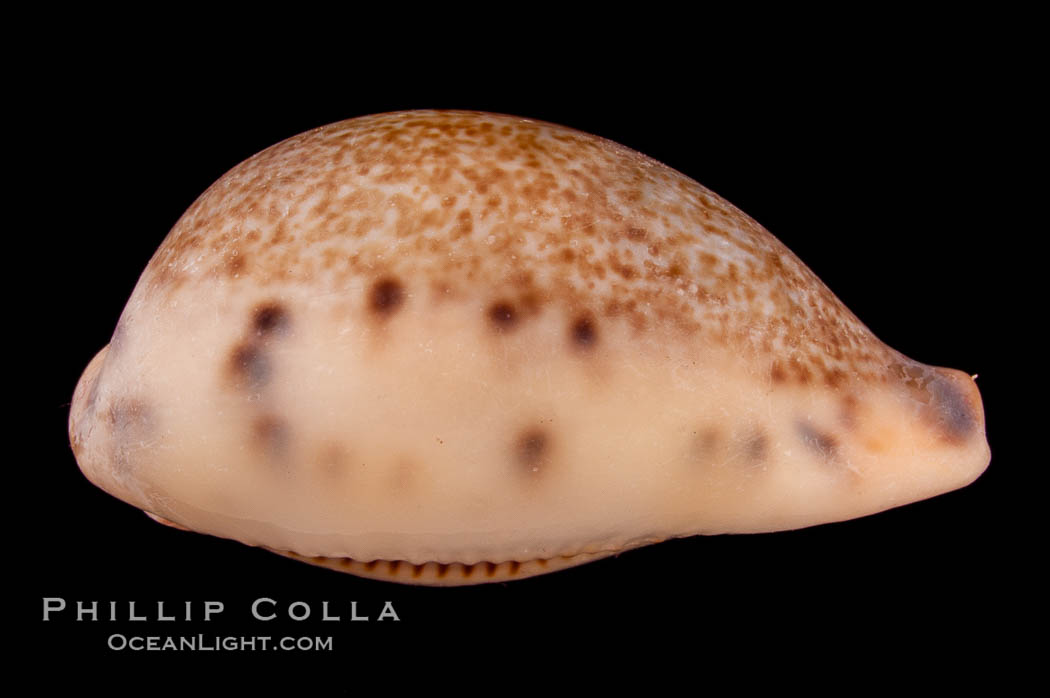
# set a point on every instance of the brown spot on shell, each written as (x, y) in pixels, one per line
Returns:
(502, 316)
(249, 367)
(270, 319)
(755, 446)
(273, 435)
(946, 404)
(532, 448)
(706, 442)
(955, 413)
(584, 333)
(387, 296)
(820, 443)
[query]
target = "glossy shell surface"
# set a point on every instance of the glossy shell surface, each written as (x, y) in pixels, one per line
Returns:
(453, 347)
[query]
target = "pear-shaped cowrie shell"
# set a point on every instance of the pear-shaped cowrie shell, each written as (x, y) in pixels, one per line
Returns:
(455, 347)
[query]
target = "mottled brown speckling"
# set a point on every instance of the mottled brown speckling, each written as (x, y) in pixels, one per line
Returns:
(598, 225)
(456, 347)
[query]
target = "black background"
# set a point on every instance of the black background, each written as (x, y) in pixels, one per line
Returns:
(877, 162)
